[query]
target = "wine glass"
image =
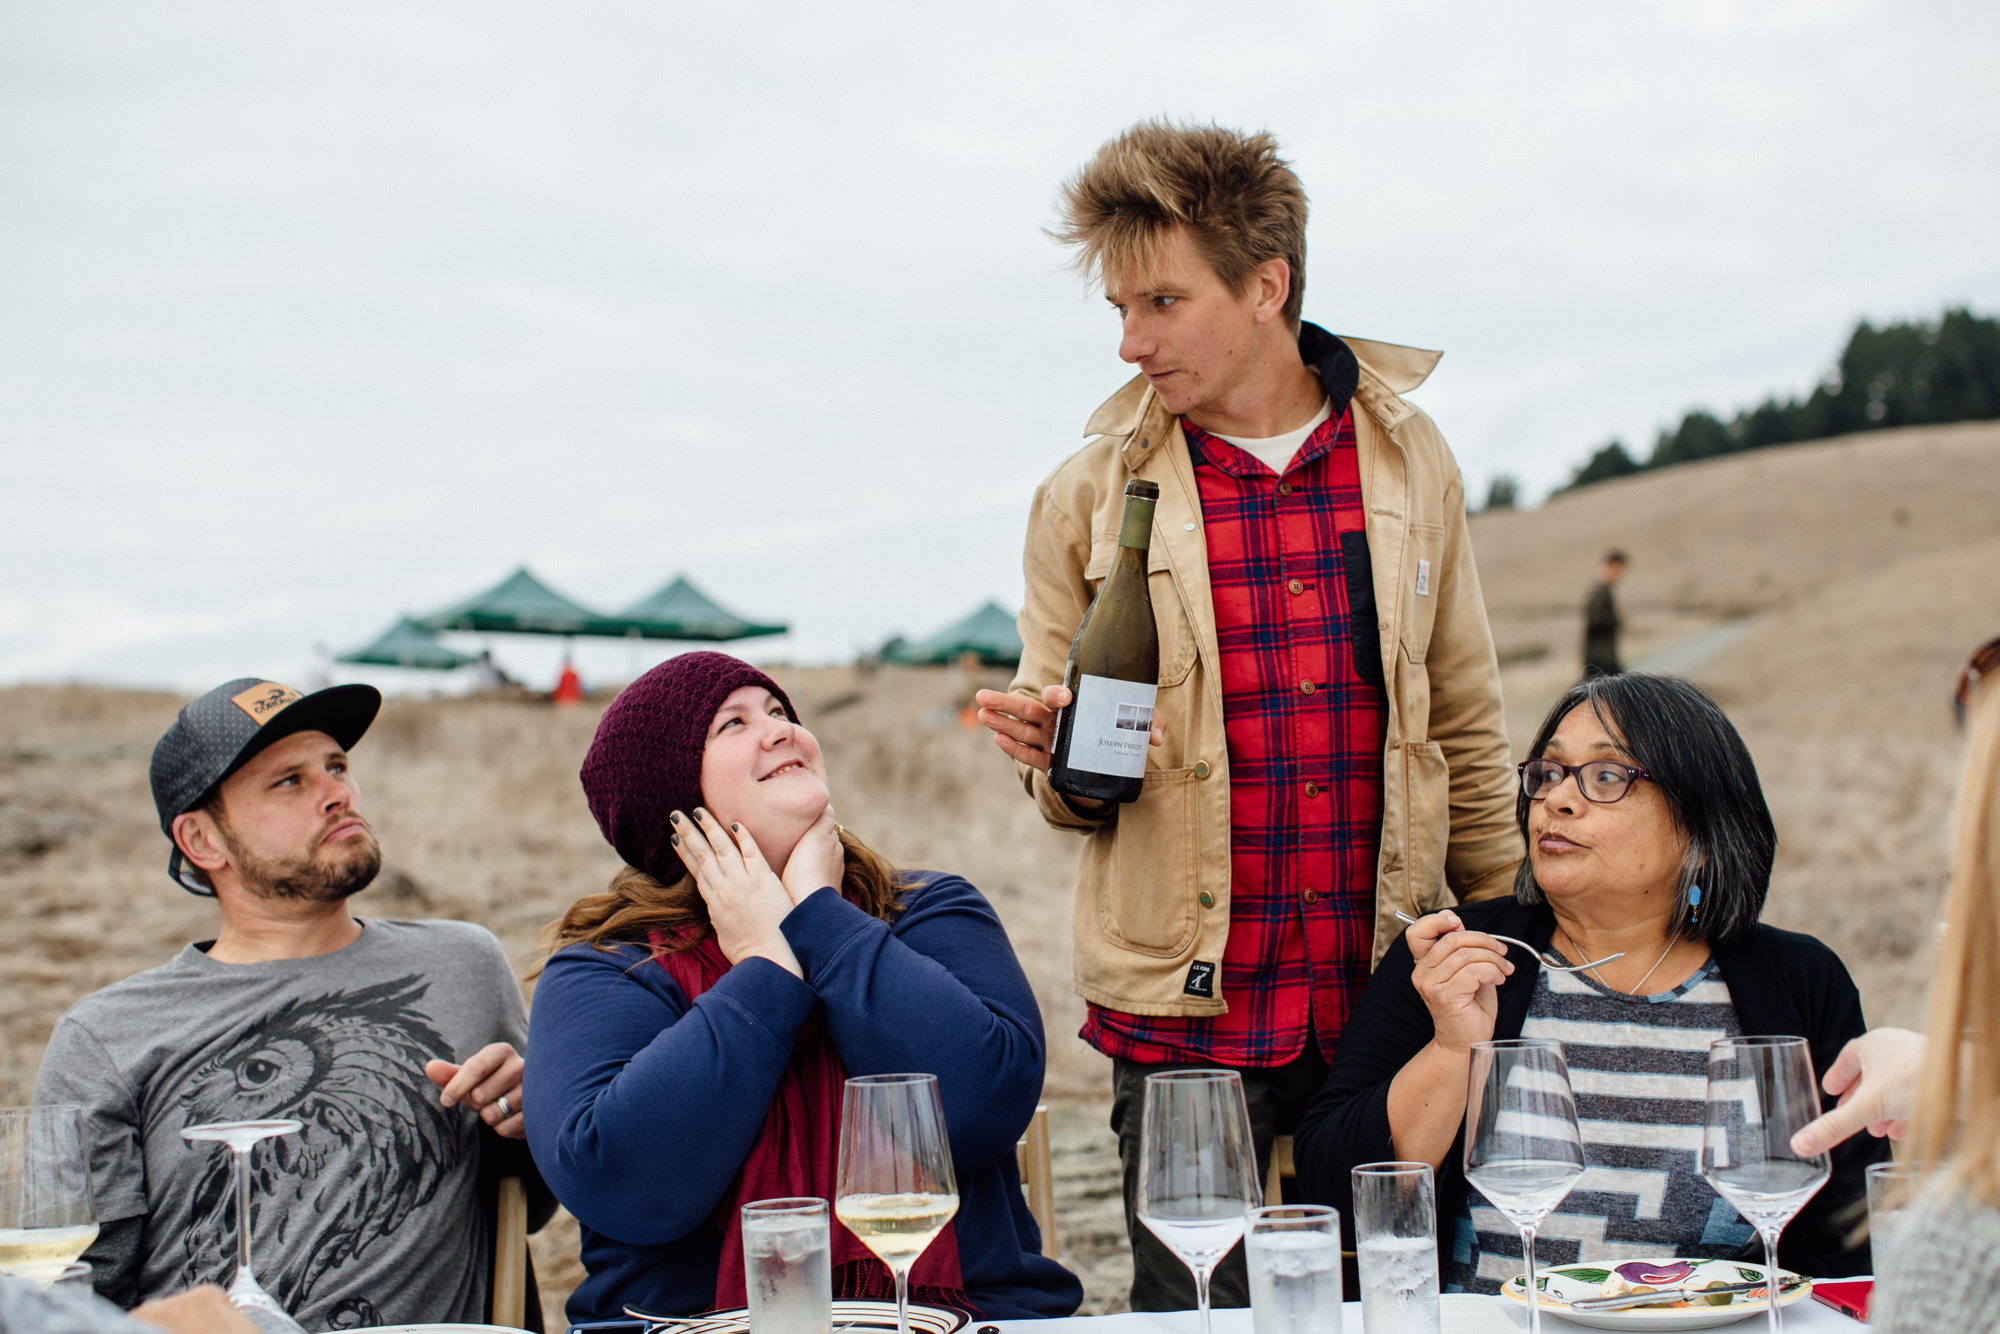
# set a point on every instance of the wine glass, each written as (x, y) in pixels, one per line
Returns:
(244, 1292)
(1761, 1091)
(895, 1189)
(1523, 1149)
(47, 1215)
(1198, 1178)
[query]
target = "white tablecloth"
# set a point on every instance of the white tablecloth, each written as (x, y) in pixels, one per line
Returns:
(1461, 1315)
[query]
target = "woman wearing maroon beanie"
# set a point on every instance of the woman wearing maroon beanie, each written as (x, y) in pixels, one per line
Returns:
(691, 1030)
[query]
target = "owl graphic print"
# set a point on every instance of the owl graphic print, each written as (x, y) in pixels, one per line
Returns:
(369, 1213)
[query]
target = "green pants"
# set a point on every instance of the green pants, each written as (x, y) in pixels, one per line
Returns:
(1277, 1097)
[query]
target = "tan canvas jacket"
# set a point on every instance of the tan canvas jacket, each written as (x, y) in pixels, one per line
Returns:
(1153, 890)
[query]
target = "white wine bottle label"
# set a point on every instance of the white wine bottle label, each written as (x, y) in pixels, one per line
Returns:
(1110, 724)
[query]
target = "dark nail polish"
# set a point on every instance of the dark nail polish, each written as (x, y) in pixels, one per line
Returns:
(674, 839)
(736, 828)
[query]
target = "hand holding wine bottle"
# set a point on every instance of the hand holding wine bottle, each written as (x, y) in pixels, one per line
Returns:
(1083, 734)
(1025, 728)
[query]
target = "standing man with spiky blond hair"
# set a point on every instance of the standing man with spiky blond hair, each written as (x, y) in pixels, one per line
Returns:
(1333, 744)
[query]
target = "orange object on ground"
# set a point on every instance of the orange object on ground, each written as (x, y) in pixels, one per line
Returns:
(569, 686)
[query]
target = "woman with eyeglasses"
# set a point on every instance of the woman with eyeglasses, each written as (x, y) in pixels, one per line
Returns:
(1649, 855)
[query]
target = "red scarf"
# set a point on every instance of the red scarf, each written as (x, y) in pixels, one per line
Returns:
(797, 1153)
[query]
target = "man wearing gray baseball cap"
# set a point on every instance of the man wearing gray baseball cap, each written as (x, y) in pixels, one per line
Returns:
(396, 1045)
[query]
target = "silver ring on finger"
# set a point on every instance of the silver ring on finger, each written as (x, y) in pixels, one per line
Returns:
(506, 1108)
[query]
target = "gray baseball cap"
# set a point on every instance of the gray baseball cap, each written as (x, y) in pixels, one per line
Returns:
(225, 729)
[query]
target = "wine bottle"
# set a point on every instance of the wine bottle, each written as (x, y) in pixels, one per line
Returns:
(1113, 672)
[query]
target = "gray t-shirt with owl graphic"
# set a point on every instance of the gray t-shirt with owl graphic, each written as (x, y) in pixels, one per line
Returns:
(369, 1214)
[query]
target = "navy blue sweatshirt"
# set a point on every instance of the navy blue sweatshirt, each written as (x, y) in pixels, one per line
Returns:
(645, 1106)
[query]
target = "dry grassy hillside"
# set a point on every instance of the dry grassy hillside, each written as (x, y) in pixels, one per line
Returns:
(1871, 564)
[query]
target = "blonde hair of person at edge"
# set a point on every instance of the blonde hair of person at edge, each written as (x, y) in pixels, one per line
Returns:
(1941, 1270)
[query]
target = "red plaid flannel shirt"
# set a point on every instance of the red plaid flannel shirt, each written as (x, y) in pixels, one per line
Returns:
(1305, 765)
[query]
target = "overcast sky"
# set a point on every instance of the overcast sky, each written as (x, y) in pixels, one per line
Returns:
(316, 313)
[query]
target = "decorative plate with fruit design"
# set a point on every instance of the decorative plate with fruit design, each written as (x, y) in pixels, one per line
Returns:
(1562, 1284)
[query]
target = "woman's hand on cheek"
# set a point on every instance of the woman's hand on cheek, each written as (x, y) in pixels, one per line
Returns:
(746, 900)
(818, 861)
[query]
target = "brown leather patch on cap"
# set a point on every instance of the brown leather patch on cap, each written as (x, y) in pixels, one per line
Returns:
(263, 700)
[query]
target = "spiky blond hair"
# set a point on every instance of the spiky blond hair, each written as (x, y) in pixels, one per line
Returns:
(1240, 203)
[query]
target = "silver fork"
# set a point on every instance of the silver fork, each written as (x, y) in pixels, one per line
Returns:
(1555, 963)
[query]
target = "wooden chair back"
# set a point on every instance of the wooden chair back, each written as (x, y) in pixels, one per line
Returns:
(510, 1255)
(1038, 1177)
(1281, 1167)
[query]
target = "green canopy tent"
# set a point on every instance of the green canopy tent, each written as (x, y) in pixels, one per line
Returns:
(404, 644)
(989, 633)
(682, 611)
(522, 604)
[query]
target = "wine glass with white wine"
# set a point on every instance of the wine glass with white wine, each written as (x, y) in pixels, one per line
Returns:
(244, 1291)
(1198, 1178)
(47, 1215)
(896, 1189)
(1523, 1147)
(1761, 1091)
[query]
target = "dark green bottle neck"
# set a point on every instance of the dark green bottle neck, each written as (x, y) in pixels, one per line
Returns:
(1137, 529)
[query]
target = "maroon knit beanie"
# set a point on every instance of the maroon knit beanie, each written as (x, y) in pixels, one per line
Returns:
(645, 760)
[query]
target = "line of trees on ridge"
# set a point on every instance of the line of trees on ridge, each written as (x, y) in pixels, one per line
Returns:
(1920, 374)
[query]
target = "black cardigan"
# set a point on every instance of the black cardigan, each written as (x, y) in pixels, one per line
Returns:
(1780, 982)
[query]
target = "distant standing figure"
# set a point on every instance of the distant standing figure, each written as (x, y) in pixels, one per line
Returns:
(1600, 620)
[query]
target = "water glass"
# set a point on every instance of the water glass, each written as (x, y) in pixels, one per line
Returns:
(1395, 1245)
(1889, 1189)
(787, 1269)
(1293, 1252)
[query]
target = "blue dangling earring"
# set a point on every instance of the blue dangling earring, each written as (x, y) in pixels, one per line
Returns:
(1694, 904)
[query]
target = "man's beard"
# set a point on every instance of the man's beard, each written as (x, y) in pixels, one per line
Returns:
(313, 878)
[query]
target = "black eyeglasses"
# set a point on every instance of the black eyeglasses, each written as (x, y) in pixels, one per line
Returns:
(1600, 781)
(1985, 662)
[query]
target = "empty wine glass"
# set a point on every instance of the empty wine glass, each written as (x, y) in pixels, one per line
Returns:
(895, 1189)
(1760, 1092)
(1523, 1149)
(1198, 1178)
(47, 1215)
(244, 1292)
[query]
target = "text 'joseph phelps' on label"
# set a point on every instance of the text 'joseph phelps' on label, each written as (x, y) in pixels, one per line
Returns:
(1113, 722)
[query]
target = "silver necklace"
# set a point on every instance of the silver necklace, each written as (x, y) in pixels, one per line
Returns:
(1672, 941)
